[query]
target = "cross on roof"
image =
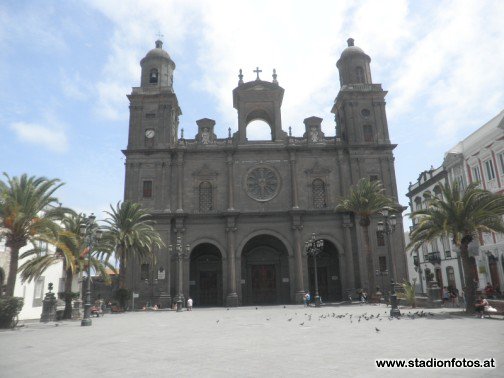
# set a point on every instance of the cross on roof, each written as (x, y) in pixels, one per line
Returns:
(257, 70)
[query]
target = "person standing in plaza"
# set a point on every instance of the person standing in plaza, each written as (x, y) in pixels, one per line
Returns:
(189, 304)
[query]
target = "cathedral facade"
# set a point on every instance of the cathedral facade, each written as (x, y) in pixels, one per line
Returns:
(235, 214)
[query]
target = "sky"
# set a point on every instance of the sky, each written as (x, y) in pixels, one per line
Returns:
(67, 66)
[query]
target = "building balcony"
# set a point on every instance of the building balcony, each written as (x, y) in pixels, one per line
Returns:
(434, 257)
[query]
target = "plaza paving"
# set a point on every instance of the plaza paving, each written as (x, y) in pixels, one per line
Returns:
(250, 342)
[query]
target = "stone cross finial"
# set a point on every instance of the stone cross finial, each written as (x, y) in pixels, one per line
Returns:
(257, 70)
(182, 133)
(229, 130)
(275, 81)
(240, 77)
(290, 131)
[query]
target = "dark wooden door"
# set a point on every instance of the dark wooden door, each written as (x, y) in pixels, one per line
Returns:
(208, 288)
(264, 290)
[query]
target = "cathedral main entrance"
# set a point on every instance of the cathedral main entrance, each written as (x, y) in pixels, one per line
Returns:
(265, 272)
(205, 275)
(328, 273)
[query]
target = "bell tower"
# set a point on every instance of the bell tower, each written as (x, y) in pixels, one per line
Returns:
(154, 108)
(359, 107)
(261, 100)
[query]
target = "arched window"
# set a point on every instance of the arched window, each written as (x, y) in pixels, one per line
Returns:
(205, 197)
(319, 194)
(153, 76)
(359, 74)
(367, 130)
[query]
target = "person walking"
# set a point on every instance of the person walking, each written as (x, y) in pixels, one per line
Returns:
(189, 304)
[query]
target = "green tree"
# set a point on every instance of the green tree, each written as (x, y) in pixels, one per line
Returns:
(461, 215)
(131, 235)
(28, 212)
(71, 249)
(366, 199)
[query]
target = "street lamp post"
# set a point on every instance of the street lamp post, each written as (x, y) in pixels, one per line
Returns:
(381, 273)
(90, 232)
(387, 226)
(314, 247)
(178, 251)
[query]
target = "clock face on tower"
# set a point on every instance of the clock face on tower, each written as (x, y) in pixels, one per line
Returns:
(262, 183)
(149, 133)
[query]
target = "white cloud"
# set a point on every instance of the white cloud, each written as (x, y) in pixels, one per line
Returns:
(51, 136)
(452, 67)
(73, 86)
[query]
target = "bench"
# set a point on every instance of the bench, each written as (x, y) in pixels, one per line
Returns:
(497, 304)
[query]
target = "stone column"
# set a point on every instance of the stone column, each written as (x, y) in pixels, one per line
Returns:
(298, 251)
(229, 162)
(352, 267)
(294, 189)
(180, 181)
(232, 297)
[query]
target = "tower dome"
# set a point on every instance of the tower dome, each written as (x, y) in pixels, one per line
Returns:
(157, 68)
(353, 65)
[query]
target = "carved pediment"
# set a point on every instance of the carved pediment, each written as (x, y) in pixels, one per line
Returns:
(206, 131)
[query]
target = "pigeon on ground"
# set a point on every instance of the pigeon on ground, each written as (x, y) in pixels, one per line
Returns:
(289, 319)
(301, 324)
(377, 330)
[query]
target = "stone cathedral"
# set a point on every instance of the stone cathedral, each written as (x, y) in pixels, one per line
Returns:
(235, 214)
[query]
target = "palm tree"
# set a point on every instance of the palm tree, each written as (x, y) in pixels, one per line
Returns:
(71, 249)
(131, 235)
(461, 215)
(28, 212)
(366, 199)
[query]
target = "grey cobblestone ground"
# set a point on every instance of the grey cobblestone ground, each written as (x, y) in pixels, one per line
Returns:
(245, 342)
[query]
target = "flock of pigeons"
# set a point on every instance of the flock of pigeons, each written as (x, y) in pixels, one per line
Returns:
(358, 318)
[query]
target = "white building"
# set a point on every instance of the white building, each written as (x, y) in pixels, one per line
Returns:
(480, 158)
(438, 258)
(33, 292)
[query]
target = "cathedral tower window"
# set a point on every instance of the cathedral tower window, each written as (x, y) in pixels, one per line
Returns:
(319, 194)
(205, 197)
(153, 76)
(368, 133)
(147, 189)
(359, 74)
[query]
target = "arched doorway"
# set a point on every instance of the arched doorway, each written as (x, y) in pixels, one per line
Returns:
(265, 271)
(328, 273)
(205, 275)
